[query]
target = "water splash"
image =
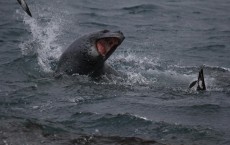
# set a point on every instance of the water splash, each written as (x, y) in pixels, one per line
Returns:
(44, 42)
(134, 67)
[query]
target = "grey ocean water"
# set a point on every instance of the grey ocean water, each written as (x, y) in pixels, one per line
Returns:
(166, 44)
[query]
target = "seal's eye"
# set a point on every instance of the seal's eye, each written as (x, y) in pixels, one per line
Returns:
(105, 31)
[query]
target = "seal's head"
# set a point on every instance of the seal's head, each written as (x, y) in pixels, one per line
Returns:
(88, 53)
(105, 43)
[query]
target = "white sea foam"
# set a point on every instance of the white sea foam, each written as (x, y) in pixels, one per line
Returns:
(142, 117)
(151, 71)
(145, 70)
(134, 67)
(136, 78)
(134, 59)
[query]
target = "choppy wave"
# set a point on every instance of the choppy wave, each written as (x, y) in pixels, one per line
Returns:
(33, 130)
(122, 129)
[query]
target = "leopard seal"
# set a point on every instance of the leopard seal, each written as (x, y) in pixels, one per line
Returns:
(88, 54)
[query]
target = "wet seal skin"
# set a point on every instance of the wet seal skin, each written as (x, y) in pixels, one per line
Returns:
(87, 55)
(25, 7)
(199, 83)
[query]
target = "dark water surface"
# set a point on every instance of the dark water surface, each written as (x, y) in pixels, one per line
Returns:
(166, 44)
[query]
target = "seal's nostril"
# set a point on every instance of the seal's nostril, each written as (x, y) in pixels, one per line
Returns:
(120, 32)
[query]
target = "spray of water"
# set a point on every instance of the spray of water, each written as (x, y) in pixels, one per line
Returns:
(44, 41)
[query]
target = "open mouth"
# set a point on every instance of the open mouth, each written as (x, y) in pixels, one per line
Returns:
(105, 45)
